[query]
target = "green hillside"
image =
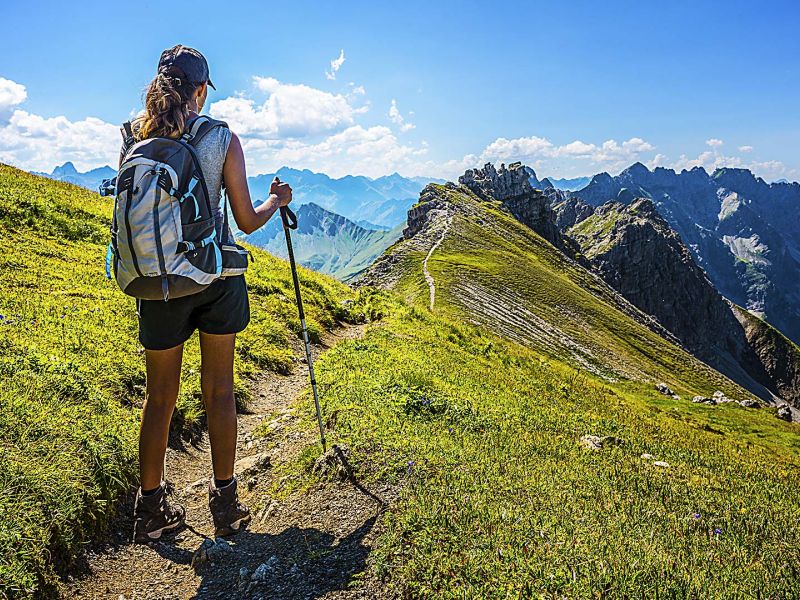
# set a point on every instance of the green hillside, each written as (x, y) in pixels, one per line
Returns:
(499, 499)
(327, 242)
(492, 270)
(73, 372)
(473, 412)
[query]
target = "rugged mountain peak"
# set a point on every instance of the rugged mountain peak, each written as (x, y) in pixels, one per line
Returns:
(634, 249)
(637, 169)
(570, 212)
(498, 184)
(66, 169)
(546, 184)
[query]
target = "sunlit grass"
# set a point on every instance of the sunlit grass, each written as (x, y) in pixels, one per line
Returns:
(73, 372)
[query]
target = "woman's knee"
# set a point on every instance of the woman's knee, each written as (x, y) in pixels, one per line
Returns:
(219, 397)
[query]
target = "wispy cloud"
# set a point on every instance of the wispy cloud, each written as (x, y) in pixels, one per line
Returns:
(336, 64)
(745, 148)
(714, 143)
(397, 118)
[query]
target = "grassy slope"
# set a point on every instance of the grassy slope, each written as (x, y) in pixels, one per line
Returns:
(73, 372)
(529, 278)
(499, 498)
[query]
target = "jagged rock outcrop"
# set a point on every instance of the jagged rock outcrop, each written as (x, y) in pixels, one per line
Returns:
(512, 187)
(634, 249)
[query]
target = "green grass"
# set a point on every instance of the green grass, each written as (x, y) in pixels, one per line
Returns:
(499, 499)
(530, 279)
(73, 371)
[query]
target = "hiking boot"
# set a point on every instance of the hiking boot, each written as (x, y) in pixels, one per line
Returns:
(230, 515)
(155, 515)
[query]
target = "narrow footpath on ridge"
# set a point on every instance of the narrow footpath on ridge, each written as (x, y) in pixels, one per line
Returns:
(311, 544)
(425, 271)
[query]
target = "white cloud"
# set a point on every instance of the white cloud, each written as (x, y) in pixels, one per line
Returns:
(352, 151)
(336, 64)
(745, 148)
(714, 143)
(711, 160)
(11, 93)
(541, 153)
(397, 118)
(290, 110)
(39, 143)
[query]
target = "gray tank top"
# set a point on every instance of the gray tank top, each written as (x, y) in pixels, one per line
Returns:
(211, 152)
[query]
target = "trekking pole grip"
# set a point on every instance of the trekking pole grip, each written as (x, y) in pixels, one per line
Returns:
(288, 217)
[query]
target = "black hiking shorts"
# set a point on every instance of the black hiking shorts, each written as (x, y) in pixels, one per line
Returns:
(222, 308)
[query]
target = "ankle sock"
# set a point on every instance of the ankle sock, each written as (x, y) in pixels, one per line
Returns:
(150, 492)
(221, 483)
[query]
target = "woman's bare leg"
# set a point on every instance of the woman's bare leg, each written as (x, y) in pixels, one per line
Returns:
(163, 384)
(216, 382)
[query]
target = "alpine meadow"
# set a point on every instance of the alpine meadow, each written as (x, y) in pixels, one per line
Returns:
(422, 301)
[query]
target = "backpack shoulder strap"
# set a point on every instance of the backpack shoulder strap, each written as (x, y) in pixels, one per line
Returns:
(128, 139)
(199, 128)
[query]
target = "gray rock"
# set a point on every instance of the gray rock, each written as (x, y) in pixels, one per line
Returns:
(750, 403)
(251, 465)
(330, 463)
(661, 463)
(704, 400)
(664, 389)
(596, 442)
(784, 412)
(244, 579)
(210, 551)
(264, 570)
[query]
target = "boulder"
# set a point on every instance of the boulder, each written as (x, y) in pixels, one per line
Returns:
(784, 412)
(704, 400)
(596, 442)
(251, 465)
(664, 389)
(750, 403)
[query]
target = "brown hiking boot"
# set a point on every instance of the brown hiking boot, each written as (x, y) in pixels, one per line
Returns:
(155, 515)
(230, 515)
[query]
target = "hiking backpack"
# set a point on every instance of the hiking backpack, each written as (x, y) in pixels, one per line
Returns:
(164, 242)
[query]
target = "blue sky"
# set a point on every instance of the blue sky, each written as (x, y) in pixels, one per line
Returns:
(571, 88)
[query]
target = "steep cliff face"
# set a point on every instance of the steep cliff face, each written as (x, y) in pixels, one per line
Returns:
(742, 231)
(633, 248)
(571, 211)
(779, 355)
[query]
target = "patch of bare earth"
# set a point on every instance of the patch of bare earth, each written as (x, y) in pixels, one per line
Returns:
(312, 544)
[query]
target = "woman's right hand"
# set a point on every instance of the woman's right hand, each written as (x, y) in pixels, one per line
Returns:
(282, 191)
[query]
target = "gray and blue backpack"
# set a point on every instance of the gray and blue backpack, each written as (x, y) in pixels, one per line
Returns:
(164, 242)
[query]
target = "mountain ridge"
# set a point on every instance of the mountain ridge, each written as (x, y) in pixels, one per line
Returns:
(734, 223)
(326, 241)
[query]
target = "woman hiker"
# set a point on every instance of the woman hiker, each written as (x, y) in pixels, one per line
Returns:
(173, 100)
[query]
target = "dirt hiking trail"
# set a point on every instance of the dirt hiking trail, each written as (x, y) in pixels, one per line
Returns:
(425, 271)
(313, 544)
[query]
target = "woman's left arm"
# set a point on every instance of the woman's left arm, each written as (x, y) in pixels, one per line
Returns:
(248, 219)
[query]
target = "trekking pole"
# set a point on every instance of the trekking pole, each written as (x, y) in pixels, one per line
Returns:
(290, 222)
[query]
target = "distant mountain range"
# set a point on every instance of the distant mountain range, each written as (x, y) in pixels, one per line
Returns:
(743, 231)
(375, 203)
(90, 179)
(383, 201)
(327, 242)
(569, 185)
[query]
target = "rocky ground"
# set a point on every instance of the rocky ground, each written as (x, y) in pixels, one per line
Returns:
(312, 544)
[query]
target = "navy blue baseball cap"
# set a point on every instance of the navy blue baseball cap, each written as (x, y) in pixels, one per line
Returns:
(185, 63)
